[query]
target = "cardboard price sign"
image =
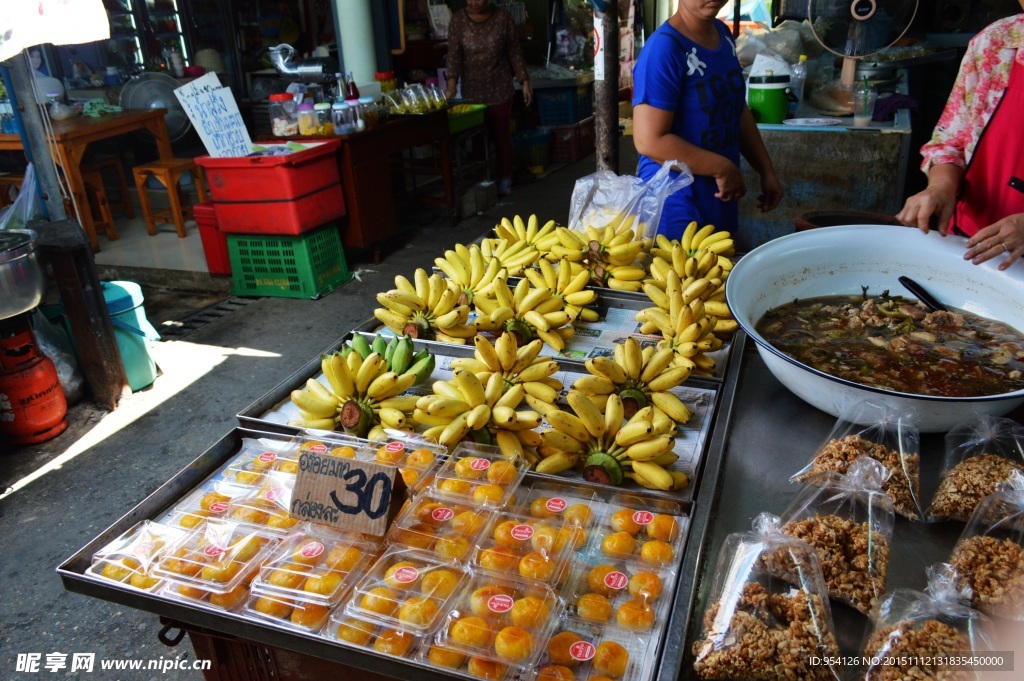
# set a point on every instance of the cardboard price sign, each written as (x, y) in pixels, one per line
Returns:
(344, 493)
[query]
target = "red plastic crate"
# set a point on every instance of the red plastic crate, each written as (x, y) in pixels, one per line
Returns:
(288, 194)
(215, 242)
(570, 143)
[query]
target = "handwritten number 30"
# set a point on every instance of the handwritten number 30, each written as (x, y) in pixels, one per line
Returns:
(364, 491)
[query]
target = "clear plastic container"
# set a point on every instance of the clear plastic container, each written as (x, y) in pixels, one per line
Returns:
(578, 506)
(215, 557)
(533, 549)
(501, 620)
(228, 601)
(586, 651)
(479, 474)
(307, 119)
(344, 123)
(299, 614)
(359, 633)
(406, 589)
(257, 458)
(267, 507)
(209, 502)
(649, 530)
(357, 114)
(283, 115)
(387, 80)
(314, 564)
(130, 558)
(627, 593)
(450, 530)
(369, 109)
(417, 458)
(324, 122)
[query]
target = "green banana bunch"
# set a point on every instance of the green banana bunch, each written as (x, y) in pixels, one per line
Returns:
(363, 395)
(682, 318)
(399, 354)
(608, 450)
(640, 378)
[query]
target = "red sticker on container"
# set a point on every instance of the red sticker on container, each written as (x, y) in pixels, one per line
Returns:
(616, 580)
(442, 514)
(522, 532)
(267, 457)
(405, 575)
(312, 549)
(394, 447)
(582, 651)
(500, 603)
(480, 464)
(277, 493)
(643, 517)
(218, 507)
(556, 504)
(317, 449)
(213, 550)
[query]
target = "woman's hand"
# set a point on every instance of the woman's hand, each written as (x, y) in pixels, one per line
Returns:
(771, 192)
(919, 209)
(527, 93)
(1005, 236)
(450, 87)
(730, 182)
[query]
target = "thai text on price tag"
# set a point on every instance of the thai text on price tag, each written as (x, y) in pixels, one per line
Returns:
(345, 493)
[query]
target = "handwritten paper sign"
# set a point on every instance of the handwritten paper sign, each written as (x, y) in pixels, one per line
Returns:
(345, 493)
(214, 112)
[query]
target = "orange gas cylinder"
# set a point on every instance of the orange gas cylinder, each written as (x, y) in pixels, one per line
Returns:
(32, 404)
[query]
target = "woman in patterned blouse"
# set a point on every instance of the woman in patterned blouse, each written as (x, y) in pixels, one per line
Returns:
(974, 162)
(484, 52)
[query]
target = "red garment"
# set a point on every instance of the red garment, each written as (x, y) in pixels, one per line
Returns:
(993, 184)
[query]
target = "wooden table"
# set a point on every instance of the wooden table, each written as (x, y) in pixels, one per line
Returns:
(72, 136)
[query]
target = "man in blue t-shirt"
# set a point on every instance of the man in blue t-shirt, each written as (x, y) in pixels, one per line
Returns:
(689, 105)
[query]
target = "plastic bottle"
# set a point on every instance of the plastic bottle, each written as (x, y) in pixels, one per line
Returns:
(369, 110)
(325, 125)
(357, 114)
(283, 115)
(800, 77)
(307, 119)
(351, 91)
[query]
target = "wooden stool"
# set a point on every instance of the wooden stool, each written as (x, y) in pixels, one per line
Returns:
(169, 173)
(124, 202)
(98, 202)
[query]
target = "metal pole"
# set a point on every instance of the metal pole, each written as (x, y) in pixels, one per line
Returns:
(606, 88)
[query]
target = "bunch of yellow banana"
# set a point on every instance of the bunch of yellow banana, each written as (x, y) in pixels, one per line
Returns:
(683, 322)
(484, 412)
(640, 378)
(363, 396)
(600, 217)
(612, 259)
(517, 366)
(694, 239)
(512, 256)
(608, 450)
(541, 237)
(566, 285)
(669, 256)
(428, 309)
(525, 311)
(467, 267)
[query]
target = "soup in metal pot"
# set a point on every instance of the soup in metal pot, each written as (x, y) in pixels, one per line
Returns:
(893, 343)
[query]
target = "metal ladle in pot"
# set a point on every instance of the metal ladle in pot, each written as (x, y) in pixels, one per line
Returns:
(921, 294)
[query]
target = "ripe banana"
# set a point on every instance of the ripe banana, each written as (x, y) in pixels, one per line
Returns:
(518, 311)
(540, 237)
(684, 319)
(425, 310)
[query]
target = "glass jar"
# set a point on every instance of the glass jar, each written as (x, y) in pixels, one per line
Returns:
(283, 115)
(344, 124)
(387, 80)
(357, 114)
(307, 119)
(324, 123)
(369, 110)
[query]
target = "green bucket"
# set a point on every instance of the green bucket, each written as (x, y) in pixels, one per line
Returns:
(132, 331)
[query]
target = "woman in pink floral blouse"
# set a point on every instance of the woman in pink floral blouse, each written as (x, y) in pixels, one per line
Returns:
(974, 161)
(484, 52)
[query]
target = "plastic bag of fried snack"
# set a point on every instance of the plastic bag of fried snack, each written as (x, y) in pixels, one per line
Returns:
(914, 635)
(848, 520)
(989, 556)
(980, 454)
(887, 435)
(759, 626)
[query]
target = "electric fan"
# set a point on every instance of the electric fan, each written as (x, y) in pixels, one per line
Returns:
(150, 90)
(854, 29)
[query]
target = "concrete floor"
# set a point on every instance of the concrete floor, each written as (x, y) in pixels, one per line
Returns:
(61, 494)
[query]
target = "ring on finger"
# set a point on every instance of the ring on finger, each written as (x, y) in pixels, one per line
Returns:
(1005, 249)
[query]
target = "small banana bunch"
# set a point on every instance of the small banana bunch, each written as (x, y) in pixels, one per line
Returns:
(611, 258)
(363, 396)
(600, 217)
(468, 269)
(428, 309)
(484, 412)
(640, 378)
(706, 237)
(608, 450)
(525, 311)
(683, 322)
(517, 366)
(691, 269)
(568, 286)
(539, 237)
(512, 256)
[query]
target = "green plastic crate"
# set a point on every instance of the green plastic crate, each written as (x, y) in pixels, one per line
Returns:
(467, 119)
(304, 266)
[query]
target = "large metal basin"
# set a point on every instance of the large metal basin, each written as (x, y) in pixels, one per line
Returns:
(841, 260)
(21, 278)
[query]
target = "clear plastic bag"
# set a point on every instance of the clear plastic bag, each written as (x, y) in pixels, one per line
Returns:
(980, 454)
(885, 434)
(604, 198)
(26, 205)
(53, 343)
(756, 623)
(989, 556)
(911, 628)
(848, 521)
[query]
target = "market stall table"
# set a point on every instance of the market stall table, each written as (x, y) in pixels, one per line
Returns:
(71, 138)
